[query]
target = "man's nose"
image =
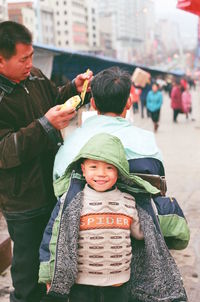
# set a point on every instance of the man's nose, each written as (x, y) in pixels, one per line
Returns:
(29, 63)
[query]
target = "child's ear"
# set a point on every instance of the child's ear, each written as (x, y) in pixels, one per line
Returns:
(128, 104)
(92, 102)
(83, 169)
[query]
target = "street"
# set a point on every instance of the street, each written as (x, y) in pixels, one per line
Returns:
(180, 146)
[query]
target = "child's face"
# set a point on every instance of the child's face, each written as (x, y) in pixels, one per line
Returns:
(99, 175)
(155, 88)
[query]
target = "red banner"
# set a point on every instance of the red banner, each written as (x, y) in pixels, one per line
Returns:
(192, 6)
(199, 29)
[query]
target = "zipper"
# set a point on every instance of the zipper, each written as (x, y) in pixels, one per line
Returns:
(2, 95)
(25, 88)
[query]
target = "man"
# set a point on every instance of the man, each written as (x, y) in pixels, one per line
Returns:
(110, 97)
(30, 120)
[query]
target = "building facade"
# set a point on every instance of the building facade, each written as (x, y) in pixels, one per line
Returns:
(67, 24)
(3, 10)
(129, 22)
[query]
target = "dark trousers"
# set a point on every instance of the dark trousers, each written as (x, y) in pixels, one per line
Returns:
(143, 105)
(135, 107)
(88, 293)
(26, 234)
(155, 116)
(176, 112)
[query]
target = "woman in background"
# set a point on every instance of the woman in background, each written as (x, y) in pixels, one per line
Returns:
(176, 99)
(154, 103)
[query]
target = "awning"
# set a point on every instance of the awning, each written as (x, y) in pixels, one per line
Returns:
(192, 6)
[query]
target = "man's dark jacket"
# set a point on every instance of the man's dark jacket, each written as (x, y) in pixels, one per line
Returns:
(28, 142)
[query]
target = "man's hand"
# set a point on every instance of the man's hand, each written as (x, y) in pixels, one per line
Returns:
(58, 118)
(79, 80)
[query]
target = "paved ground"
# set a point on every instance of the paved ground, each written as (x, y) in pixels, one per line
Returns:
(180, 145)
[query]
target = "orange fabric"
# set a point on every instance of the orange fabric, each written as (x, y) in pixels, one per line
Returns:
(116, 285)
(105, 221)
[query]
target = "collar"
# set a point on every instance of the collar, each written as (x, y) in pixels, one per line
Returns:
(111, 189)
(6, 85)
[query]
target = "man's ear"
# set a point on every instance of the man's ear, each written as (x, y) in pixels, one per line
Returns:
(2, 61)
(92, 102)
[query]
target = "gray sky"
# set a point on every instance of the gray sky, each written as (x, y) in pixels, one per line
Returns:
(187, 22)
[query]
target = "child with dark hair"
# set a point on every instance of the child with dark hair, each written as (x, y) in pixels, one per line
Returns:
(111, 90)
(93, 247)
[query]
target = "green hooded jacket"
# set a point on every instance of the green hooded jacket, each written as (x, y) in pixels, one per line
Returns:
(154, 274)
(108, 148)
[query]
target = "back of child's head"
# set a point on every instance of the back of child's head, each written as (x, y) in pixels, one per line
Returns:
(111, 89)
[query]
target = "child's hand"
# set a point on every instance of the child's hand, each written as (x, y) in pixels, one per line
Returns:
(48, 285)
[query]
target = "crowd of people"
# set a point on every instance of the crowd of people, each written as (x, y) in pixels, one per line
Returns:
(150, 98)
(93, 232)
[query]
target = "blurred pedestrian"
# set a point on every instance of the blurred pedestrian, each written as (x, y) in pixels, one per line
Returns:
(168, 87)
(154, 103)
(135, 97)
(192, 83)
(176, 99)
(183, 83)
(186, 102)
(143, 97)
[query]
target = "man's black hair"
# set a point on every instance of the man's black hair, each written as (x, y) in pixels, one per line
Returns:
(111, 89)
(12, 33)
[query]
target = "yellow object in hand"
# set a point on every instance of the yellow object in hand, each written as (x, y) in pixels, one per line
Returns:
(73, 102)
(77, 101)
(84, 89)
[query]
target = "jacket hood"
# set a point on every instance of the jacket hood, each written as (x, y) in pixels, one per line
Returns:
(108, 148)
